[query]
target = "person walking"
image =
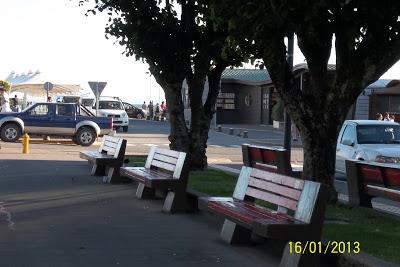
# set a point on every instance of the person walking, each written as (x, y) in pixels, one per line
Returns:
(17, 107)
(4, 98)
(151, 110)
(163, 108)
(144, 108)
(157, 112)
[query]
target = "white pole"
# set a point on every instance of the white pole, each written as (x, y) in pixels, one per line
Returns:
(97, 98)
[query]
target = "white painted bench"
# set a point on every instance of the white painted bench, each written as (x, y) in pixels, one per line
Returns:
(109, 158)
(165, 169)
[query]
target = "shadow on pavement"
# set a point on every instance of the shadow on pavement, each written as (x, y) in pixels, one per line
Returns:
(53, 213)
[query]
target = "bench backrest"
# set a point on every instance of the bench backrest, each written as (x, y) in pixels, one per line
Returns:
(113, 146)
(167, 160)
(286, 192)
(267, 158)
(371, 179)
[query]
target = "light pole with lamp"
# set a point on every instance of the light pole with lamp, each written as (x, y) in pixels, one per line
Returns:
(148, 72)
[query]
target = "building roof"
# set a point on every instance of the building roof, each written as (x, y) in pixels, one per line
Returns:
(381, 83)
(32, 84)
(246, 74)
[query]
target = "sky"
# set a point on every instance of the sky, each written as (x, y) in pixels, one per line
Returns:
(55, 37)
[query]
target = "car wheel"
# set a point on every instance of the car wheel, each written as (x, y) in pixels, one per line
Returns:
(125, 128)
(139, 116)
(10, 132)
(86, 136)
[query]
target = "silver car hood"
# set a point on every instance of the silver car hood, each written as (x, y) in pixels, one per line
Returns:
(390, 150)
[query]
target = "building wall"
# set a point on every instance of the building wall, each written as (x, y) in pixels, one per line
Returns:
(247, 105)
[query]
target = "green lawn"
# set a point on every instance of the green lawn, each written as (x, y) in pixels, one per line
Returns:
(378, 233)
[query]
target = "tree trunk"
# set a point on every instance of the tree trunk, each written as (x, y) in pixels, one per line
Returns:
(198, 140)
(319, 150)
(202, 114)
(179, 134)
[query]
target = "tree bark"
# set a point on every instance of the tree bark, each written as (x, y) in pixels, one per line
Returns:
(202, 114)
(179, 135)
(319, 150)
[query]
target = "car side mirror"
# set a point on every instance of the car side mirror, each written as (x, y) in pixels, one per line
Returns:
(348, 142)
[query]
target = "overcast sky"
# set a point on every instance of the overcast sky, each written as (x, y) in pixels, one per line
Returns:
(55, 37)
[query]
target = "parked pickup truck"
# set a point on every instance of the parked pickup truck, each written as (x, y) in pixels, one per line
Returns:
(54, 119)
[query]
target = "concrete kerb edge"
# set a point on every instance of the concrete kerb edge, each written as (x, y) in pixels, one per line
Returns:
(346, 260)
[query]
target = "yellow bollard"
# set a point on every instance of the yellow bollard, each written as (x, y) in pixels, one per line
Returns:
(25, 144)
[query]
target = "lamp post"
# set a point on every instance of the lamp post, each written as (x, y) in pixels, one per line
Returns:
(148, 72)
(287, 122)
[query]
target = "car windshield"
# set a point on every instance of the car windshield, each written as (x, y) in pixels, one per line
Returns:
(110, 105)
(378, 134)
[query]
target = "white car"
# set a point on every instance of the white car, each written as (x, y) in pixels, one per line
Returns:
(368, 140)
(112, 107)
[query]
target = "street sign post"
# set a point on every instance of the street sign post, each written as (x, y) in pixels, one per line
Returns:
(47, 87)
(97, 89)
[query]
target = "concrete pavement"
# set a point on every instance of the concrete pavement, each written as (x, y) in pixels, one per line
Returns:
(53, 213)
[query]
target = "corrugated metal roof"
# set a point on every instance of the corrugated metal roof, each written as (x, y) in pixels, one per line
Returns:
(249, 75)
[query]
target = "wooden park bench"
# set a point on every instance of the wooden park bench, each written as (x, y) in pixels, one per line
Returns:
(108, 159)
(165, 170)
(297, 213)
(366, 180)
(269, 159)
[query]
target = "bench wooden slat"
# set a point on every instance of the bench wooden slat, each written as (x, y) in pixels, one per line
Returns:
(269, 157)
(383, 192)
(171, 153)
(371, 174)
(278, 179)
(392, 178)
(265, 167)
(272, 198)
(150, 174)
(163, 165)
(165, 158)
(275, 188)
(247, 212)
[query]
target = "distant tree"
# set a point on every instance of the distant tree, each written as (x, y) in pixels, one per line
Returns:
(175, 47)
(367, 42)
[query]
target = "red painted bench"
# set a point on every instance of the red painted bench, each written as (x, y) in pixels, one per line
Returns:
(269, 159)
(366, 180)
(166, 170)
(108, 159)
(298, 214)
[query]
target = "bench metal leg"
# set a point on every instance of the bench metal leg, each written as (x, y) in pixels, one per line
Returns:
(292, 259)
(98, 170)
(143, 192)
(233, 233)
(174, 202)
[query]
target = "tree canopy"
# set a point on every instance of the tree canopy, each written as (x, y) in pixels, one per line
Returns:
(367, 43)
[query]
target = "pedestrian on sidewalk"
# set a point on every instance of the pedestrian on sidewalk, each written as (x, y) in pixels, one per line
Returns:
(144, 108)
(151, 110)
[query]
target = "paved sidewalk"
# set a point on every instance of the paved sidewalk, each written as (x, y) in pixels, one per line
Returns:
(261, 134)
(53, 213)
